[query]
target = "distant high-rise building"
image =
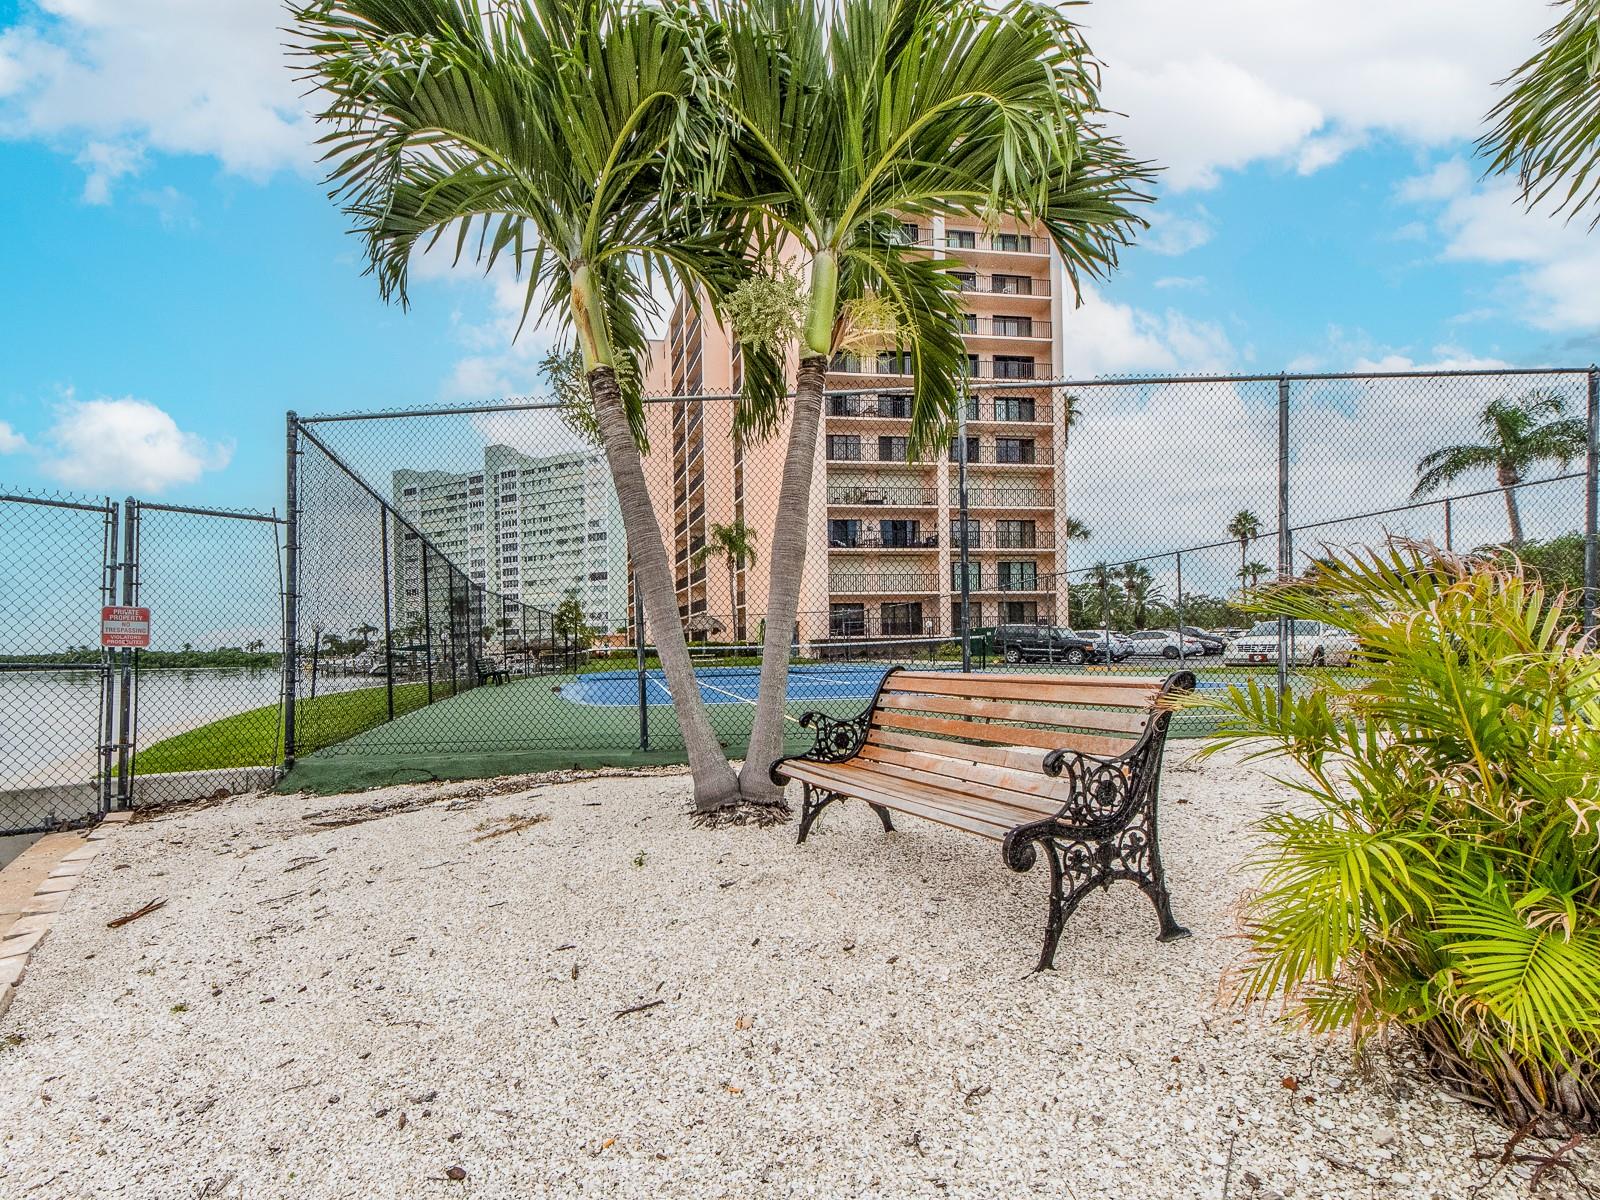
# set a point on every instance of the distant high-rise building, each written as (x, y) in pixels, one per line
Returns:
(883, 555)
(528, 529)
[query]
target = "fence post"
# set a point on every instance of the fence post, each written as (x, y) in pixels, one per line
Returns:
(291, 586)
(638, 656)
(427, 625)
(388, 615)
(130, 596)
(108, 675)
(1178, 604)
(1285, 561)
(966, 536)
(1591, 506)
(1449, 527)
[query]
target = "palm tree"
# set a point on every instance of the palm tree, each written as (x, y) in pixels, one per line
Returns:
(566, 137)
(736, 544)
(1518, 434)
(1250, 574)
(1245, 528)
(364, 632)
(1073, 530)
(1547, 127)
(853, 115)
(1141, 589)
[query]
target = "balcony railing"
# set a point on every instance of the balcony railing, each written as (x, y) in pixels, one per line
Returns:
(991, 537)
(1002, 452)
(885, 584)
(1017, 327)
(868, 450)
(999, 497)
(895, 407)
(874, 540)
(1006, 243)
(998, 284)
(905, 495)
(899, 365)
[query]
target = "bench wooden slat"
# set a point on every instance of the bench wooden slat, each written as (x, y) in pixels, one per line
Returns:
(1018, 758)
(986, 820)
(1005, 710)
(1041, 801)
(900, 786)
(1114, 690)
(978, 775)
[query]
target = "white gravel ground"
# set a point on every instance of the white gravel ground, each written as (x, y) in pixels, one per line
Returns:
(357, 1011)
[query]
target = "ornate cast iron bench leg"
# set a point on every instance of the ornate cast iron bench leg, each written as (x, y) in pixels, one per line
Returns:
(811, 807)
(883, 815)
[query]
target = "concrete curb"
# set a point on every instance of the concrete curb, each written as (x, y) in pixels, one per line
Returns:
(23, 938)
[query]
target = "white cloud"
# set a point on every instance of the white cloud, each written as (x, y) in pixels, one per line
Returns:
(1167, 282)
(114, 444)
(1213, 87)
(1172, 233)
(113, 79)
(1103, 338)
(11, 442)
(1556, 261)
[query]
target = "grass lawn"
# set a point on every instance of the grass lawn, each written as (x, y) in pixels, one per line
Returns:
(255, 738)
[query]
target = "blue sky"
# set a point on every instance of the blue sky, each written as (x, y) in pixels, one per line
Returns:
(176, 277)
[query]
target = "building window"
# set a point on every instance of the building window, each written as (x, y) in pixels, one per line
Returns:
(844, 447)
(847, 620)
(1019, 576)
(973, 531)
(967, 281)
(1014, 408)
(894, 449)
(910, 234)
(972, 449)
(894, 406)
(1019, 612)
(974, 616)
(894, 362)
(1013, 241)
(961, 239)
(900, 533)
(1011, 285)
(1015, 535)
(902, 618)
(1014, 450)
(844, 534)
(845, 406)
(1014, 326)
(969, 322)
(1013, 366)
(974, 577)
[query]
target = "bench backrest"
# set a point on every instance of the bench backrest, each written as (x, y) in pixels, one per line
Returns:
(993, 729)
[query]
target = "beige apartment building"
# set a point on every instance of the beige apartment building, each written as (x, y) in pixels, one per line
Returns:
(883, 554)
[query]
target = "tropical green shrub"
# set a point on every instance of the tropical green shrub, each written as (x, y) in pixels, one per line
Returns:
(1439, 874)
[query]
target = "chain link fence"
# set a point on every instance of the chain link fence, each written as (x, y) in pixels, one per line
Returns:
(85, 728)
(471, 567)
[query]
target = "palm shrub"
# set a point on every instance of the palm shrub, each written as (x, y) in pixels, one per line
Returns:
(1441, 876)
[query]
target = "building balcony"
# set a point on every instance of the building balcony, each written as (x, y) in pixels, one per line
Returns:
(877, 544)
(1003, 498)
(881, 495)
(988, 537)
(972, 241)
(1021, 328)
(870, 583)
(898, 365)
(1005, 452)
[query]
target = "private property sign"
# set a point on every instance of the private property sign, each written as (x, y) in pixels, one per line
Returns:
(128, 628)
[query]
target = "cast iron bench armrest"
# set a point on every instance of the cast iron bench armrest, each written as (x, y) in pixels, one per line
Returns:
(837, 739)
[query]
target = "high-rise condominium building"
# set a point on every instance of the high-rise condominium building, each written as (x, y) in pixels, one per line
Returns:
(528, 529)
(883, 553)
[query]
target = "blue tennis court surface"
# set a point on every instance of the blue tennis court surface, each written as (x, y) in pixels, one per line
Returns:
(728, 685)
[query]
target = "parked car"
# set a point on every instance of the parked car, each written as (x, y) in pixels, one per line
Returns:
(1164, 643)
(1212, 643)
(1121, 647)
(1043, 643)
(1311, 643)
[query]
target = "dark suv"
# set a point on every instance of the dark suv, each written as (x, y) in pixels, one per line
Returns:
(1041, 643)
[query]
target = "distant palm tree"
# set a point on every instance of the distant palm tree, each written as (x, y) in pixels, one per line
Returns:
(1250, 573)
(1074, 530)
(1245, 528)
(364, 632)
(735, 543)
(1518, 434)
(1141, 589)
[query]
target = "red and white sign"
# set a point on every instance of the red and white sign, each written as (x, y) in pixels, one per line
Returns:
(128, 628)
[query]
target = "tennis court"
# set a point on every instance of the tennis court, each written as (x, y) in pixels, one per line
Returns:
(729, 685)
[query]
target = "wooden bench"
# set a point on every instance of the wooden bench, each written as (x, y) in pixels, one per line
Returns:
(1069, 763)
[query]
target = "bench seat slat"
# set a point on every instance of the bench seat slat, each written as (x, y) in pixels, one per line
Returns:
(1035, 804)
(1116, 690)
(987, 819)
(996, 804)
(1047, 788)
(1005, 710)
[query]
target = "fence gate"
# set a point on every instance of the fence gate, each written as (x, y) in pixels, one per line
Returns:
(200, 711)
(58, 567)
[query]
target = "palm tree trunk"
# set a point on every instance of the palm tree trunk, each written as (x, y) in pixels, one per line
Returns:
(714, 783)
(786, 564)
(1508, 480)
